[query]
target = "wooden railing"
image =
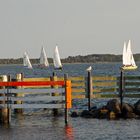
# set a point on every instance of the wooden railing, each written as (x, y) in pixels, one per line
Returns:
(36, 97)
(101, 85)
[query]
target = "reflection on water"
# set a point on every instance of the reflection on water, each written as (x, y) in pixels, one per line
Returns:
(69, 132)
(41, 126)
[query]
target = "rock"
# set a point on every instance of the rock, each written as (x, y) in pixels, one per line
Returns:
(93, 108)
(137, 107)
(86, 114)
(95, 113)
(112, 115)
(74, 114)
(130, 115)
(127, 110)
(103, 113)
(114, 105)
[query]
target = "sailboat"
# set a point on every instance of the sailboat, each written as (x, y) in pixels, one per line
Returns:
(26, 61)
(56, 59)
(128, 59)
(43, 59)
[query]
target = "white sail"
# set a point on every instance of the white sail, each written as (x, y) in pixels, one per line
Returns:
(124, 54)
(129, 54)
(133, 61)
(56, 59)
(128, 59)
(43, 58)
(26, 61)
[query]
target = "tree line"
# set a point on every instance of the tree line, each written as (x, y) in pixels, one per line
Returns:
(92, 58)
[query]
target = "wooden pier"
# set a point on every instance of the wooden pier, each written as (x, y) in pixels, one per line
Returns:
(59, 91)
(37, 94)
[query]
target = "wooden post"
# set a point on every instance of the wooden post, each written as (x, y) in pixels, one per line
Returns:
(89, 89)
(8, 101)
(121, 88)
(68, 98)
(66, 108)
(54, 78)
(5, 112)
(19, 77)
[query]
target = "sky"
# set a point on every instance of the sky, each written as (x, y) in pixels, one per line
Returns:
(77, 27)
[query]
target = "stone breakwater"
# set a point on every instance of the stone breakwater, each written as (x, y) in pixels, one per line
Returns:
(112, 110)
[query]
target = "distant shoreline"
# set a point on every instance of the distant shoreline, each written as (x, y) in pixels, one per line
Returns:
(93, 58)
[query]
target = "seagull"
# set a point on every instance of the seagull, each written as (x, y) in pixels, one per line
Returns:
(89, 68)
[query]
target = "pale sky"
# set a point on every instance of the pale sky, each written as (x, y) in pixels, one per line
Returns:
(78, 27)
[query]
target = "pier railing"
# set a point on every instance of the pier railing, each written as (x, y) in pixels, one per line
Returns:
(37, 94)
(101, 85)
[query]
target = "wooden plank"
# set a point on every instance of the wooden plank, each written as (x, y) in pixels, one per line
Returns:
(132, 77)
(81, 96)
(37, 91)
(60, 78)
(47, 86)
(35, 98)
(78, 84)
(109, 90)
(3, 91)
(132, 90)
(96, 90)
(33, 106)
(133, 83)
(104, 90)
(104, 84)
(76, 78)
(32, 83)
(107, 78)
(41, 79)
(78, 90)
(36, 79)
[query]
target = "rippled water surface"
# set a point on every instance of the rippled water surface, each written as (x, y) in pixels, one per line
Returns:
(39, 125)
(47, 128)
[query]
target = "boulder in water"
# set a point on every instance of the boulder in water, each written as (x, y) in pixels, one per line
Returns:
(103, 113)
(114, 105)
(137, 107)
(86, 114)
(74, 114)
(128, 111)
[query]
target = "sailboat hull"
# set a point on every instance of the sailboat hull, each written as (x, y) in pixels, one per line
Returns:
(60, 68)
(129, 67)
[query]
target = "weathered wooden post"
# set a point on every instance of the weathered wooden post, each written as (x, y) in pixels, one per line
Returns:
(19, 77)
(54, 78)
(121, 87)
(8, 101)
(89, 88)
(5, 112)
(66, 108)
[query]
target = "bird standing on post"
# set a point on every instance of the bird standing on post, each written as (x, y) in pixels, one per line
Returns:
(89, 68)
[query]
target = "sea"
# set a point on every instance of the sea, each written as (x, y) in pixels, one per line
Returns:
(40, 125)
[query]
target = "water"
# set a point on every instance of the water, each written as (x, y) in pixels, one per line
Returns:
(39, 125)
